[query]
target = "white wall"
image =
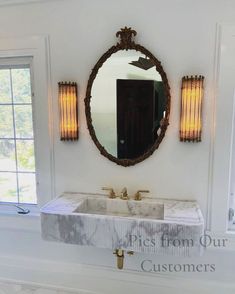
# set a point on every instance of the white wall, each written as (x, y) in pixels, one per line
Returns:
(181, 34)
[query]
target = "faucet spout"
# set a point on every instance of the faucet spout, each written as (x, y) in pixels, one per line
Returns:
(124, 195)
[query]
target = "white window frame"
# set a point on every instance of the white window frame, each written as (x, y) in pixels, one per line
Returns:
(36, 47)
(222, 136)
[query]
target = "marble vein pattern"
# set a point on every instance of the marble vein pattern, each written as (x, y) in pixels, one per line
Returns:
(156, 226)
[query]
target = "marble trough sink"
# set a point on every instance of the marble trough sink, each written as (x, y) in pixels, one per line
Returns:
(165, 227)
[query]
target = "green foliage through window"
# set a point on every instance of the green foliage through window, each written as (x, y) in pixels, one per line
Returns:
(17, 160)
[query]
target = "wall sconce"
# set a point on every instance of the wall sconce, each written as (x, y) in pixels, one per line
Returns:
(68, 105)
(191, 109)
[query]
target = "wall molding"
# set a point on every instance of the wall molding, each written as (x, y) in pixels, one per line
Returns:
(87, 279)
(219, 184)
(15, 287)
(212, 124)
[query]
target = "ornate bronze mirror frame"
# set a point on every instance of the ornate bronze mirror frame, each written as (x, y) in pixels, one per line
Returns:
(126, 43)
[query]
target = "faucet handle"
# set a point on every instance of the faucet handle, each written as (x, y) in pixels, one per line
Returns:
(138, 195)
(111, 192)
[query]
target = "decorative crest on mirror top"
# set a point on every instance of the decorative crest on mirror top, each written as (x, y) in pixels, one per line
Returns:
(126, 34)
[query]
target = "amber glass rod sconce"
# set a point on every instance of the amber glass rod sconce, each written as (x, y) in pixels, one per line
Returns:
(191, 109)
(68, 105)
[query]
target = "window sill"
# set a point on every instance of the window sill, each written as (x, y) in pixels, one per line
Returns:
(9, 208)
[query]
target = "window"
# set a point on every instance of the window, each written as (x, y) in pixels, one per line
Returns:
(14, 54)
(17, 156)
(29, 55)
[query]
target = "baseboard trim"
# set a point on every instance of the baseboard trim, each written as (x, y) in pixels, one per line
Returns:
(16, 2)
(89, 279)
(42, 286)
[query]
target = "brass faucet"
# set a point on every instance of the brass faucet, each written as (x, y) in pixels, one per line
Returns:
(124, 195)
(138, 195)
(111, 192)
(120, 257)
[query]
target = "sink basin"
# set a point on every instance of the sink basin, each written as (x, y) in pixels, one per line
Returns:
(159, 226)
(122, 208)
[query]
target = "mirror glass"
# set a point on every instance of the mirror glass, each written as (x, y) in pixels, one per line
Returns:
(128, 103)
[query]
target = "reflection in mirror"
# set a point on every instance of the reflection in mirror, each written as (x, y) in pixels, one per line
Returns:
(128, 103)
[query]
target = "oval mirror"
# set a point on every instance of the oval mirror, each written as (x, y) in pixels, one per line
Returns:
(127, 102)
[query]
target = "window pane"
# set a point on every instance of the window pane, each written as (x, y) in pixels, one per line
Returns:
(25, 155)
(7, 155)
(8, 187)
(5, 86)
(6, 122)
(21, 85)
(17, 173)
(23, 121)
(27, 188)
